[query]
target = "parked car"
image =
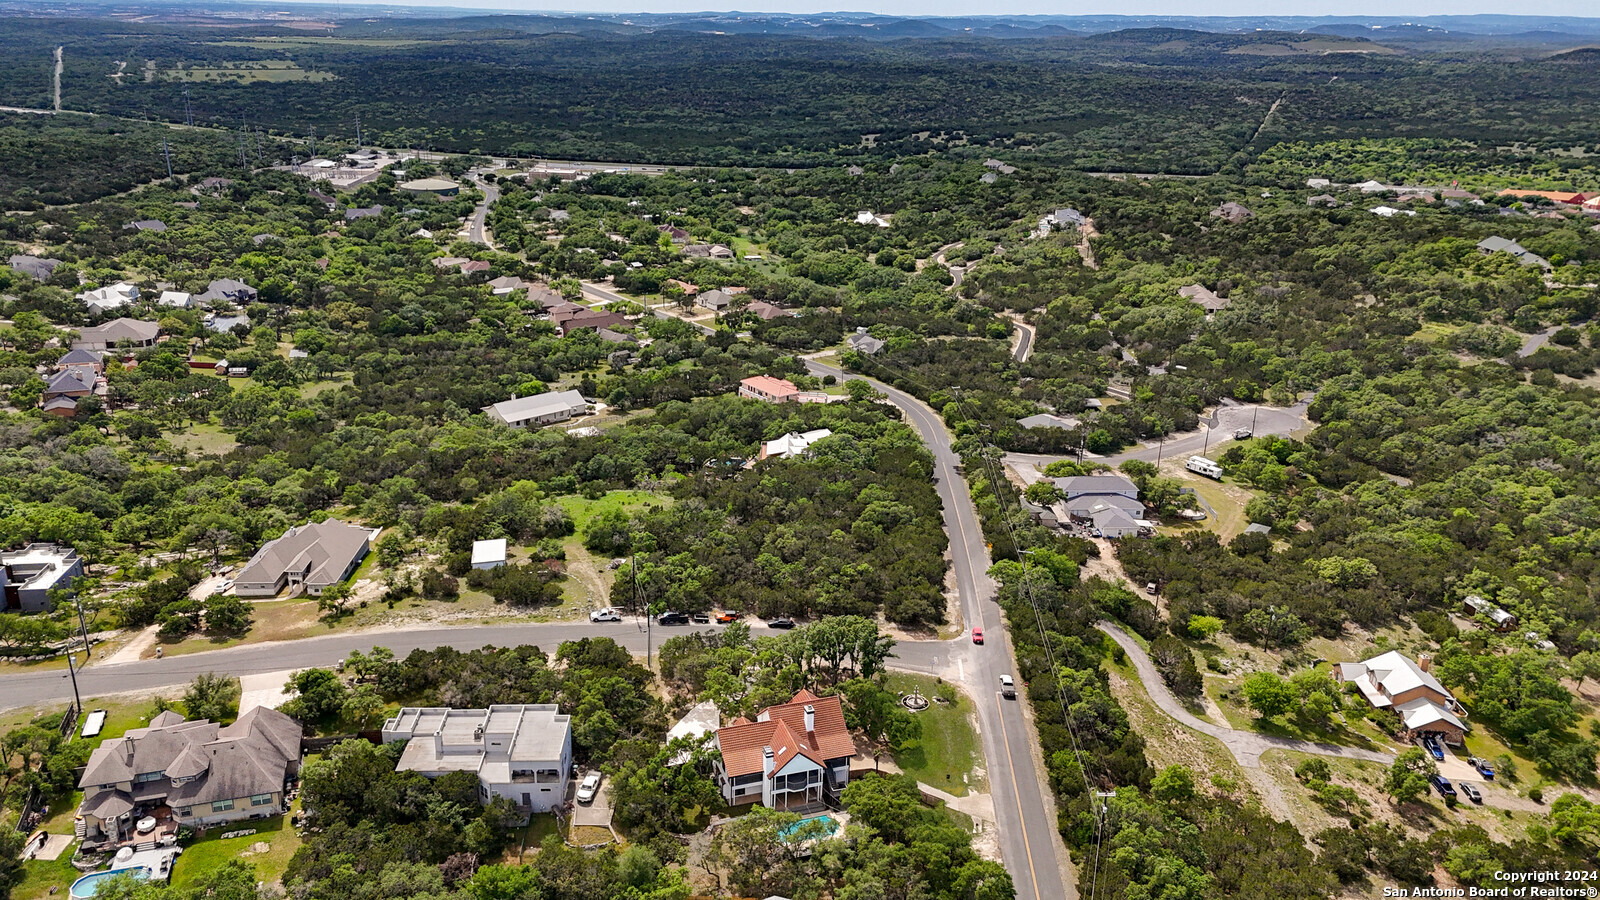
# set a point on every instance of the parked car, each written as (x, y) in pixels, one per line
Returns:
(1483, 766)
(725, 617)
(1431, 744)
(1444, 787)
(783, 623)
(589, 787)
(1472, 793)
(1008, 688)
(977, 635)
(1150, 588)
(224, 585)
(672, 618)
(1242, 434)
(608, 614)
(700, 618)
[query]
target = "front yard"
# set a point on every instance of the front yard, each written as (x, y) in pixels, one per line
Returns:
(948, 756)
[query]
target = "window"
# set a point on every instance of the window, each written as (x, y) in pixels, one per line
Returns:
(260, 799)
(747, 779)
(549, 776)
(147, 777)
(222, 805)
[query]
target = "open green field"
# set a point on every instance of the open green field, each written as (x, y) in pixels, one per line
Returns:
(211, 851)
(948, 757)
(275, 71)
(209, 440)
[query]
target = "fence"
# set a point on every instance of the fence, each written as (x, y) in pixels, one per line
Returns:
(69, 721)
(30, 812)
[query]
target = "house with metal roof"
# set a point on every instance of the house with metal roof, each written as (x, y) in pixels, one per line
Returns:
(539, 409)
(793, 445)
(116, 333)
(1393, 681)
(794, 756)
(521, 752)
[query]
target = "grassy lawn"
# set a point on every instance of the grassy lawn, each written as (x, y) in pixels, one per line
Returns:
(211, 851)
(1346, 733)
(948, 756)
(532, 838)
(44, 878)
(203, 439)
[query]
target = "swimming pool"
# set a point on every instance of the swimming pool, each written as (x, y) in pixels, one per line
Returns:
(828, 825)
(89, 884)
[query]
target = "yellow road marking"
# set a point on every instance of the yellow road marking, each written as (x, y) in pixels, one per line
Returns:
(1026, 844)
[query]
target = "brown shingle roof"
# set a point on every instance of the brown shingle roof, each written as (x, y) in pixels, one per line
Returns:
(783, 728)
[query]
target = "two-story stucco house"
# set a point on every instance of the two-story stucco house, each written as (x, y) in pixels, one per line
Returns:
(520, 752)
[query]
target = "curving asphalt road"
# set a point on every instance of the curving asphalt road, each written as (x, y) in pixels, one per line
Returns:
(1246, 746)
(477, 226)
(1029, 843)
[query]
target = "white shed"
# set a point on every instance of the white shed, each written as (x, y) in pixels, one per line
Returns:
(489, 554)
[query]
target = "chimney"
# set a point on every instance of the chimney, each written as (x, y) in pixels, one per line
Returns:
(766, 762)
(1425, 662)
(811, 718)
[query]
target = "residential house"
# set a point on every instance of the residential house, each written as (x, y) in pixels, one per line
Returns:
(699, 251)
(1203, 296)
(188, 774)
(39, 268)
(1322, 200)
(1257, 528)
(440, 187)
(507, 284)
(490, 554)
(1046, 420)
(794, 756)
(615, 337)
(544, 296)
(176, 300)
(522, 753)
(1497, 244)
(792, 445)
(570, 320)
(721, 251)
(767, 311)
(988, 178)
(855, 171)
(215, 183)
(474, 265)
(1392, 681)
(113, 296)
(228, 290)
(864, 343)
(116, 333)
(1477, 606)
(82, 359)
(699, 725)
(314, 557)
(1388, 212)
(1068, 217)
(259, 239)
(673, 232)
(449, 262)
(60, 407)
(765, 387)
(1232, 212)
(363, 212)
(1109, 503)
(540, 409)
(1569, 197)
(867, 217)
(74, 383)
(155, 225)
(225, 323)
(322, 198)
(715, 300)
(27, 576)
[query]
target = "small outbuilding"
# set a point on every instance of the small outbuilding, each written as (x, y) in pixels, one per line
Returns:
(489, 554)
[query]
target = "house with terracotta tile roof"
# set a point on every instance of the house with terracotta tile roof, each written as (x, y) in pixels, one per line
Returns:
(1570, 197)
(768, 388)
(793, 756)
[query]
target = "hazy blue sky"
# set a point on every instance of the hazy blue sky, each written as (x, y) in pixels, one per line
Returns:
(1045, 7)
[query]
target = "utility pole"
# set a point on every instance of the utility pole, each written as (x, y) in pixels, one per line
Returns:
(1160, 446)
(358, 131)
(72, 671)
(167, 152)
(83, 627)
(188, 113)
(313, 142)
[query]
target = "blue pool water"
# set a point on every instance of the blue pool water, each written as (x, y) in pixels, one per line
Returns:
(829, 826)
(86, 886)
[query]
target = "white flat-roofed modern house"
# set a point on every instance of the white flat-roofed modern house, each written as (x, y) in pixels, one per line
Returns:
(520, 752)
(28, 575)
(540, 409)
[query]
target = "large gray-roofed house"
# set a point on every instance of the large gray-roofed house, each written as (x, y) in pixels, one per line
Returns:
(137, 332)
(230, 289)
(520, 752)
(539, 409)
(198, 773)
(1203, 296)
(39, 268)
(1087, 492)
(313, 556)
(1496, 244)
(1046, 420)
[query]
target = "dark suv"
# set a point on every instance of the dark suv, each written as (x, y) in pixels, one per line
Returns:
(1444, 787)
(672, 618)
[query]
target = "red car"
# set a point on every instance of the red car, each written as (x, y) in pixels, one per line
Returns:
(977, 635)
(726, 617)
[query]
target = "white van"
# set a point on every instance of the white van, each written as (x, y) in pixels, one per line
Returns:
(1202, 466)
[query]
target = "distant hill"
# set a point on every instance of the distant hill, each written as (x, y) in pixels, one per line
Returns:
(1582, 56)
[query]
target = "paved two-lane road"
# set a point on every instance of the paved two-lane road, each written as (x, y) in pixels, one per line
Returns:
(1028, 841)
(477, 226)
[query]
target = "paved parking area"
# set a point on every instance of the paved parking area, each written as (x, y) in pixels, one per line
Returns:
(597, 813)
(269, 689)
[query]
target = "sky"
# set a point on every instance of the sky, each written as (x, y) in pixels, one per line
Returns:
(1587, 8)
